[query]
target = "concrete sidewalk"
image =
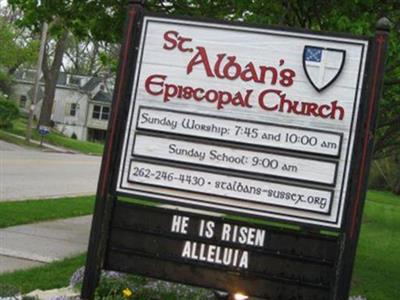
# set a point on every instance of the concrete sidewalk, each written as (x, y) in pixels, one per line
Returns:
(31, 245)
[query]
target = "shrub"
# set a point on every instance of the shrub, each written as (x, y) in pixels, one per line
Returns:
(119, 286)
(8, 112)
(385, 174)
(9, 292)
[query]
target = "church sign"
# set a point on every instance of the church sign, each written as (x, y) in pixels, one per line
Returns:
(216, 119)
(234, 119)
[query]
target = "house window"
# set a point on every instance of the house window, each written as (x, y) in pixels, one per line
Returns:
(22, 101)
(105, 113)
(96, 112)
(75, 81)
(72, 109)
(30, 75)
(101, 112)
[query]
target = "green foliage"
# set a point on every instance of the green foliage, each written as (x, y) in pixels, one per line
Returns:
(356, 16)
(60, 140)
(377, 269)
(9, 138)
(375, 274)
(57, 139)
(5, 83)
(31, 211)
(101, 19)
(108, 61)
(112, 288)
(8, 112)
(376, 180)
(8, 291)
(385, 174)
(50, 276)
(138, 288)
(13, 53)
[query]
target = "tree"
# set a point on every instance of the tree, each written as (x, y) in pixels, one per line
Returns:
(99, 20)
(102, 20)
(357, 17)
(91, 58)
(13, 53)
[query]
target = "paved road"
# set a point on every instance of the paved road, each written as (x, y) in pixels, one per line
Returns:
(32, 174)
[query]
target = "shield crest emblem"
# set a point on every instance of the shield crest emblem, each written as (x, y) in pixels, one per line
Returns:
(322, 65)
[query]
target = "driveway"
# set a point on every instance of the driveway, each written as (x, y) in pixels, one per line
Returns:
(32, 174)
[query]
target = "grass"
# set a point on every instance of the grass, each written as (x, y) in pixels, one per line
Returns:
(81, 146)
(377, 266)
(14, 140)
(55, 138)
(32, 211)
(51, 276)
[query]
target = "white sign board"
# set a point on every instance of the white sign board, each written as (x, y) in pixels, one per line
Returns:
(243, 120)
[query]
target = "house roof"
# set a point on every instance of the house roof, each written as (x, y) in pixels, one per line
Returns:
(102, 97)
(91, 84)
(61, 79)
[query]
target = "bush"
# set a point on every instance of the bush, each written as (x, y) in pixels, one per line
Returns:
(9, 292)
(137, 288)
(385, 174)
(119, 286)
(8, 112)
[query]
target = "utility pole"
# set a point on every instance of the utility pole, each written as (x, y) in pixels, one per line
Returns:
(37, 81)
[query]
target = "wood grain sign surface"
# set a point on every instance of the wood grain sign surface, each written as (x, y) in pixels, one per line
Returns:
(243, 120)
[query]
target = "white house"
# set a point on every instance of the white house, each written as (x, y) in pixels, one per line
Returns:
(81, 105)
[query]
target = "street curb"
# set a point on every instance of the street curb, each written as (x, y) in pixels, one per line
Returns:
(27, 256)
(46, 145)
(50, 197)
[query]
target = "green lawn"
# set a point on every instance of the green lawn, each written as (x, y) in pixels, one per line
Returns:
(55, 138)
(51, 276)
(377, 270)
(31, 211)
(4, 136)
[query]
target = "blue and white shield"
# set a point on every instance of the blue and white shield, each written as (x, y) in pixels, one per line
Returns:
(322, 65)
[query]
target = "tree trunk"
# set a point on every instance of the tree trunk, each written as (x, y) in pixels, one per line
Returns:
(396, 189)
(396, 184)
(48, 101)
(50, 75)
